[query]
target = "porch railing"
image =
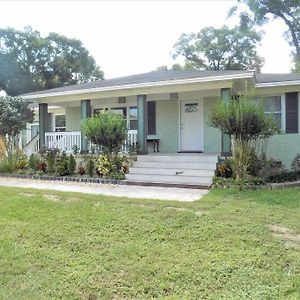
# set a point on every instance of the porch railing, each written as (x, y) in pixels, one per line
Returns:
(32, 146)
(63, 140)
(66, 141)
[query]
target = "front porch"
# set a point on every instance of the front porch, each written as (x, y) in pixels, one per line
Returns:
(165, 122)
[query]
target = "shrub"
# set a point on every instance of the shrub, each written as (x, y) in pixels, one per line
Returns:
(81, 169)
(15, 161)
(103, 165)
(108, 169)
(296, 163)
(90, 167)
(225, 168)
(62, 163)
(283, 176)
(33, 161)
(247, 125)
(107, 131)
(71, 165)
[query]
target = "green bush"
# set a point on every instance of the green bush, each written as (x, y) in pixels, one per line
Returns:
(71, 165)
(110, 169)
(296, 163)
(283, 176)
(61, 165)
(90, 167)
(107, 131)
(225, 169)
(13, 162)
(33, 161)
(247, 125)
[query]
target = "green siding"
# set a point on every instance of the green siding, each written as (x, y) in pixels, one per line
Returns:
(167, 125)
(285, 147)
(73, 118)
(212, 136)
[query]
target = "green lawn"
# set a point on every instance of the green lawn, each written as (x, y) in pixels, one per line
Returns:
(75, 246)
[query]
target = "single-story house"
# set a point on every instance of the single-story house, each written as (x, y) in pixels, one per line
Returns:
(167, 111)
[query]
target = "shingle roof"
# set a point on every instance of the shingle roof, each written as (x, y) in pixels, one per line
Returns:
(157, 76)
(269, 77)
(154, 76)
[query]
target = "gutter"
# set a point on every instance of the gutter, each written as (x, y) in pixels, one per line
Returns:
(278, 83)
(140, 85)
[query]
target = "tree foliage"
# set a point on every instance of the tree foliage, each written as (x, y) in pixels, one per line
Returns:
(106, 130)
(260, 12)
(244, 120)
(14, 114)
(30, 62)
(220, 49)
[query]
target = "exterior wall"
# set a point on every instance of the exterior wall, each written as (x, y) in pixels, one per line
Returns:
(167, 125)
(73, 118)
(212, 136)
(286, 146)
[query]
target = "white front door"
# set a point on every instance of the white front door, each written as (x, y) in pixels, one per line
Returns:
(191, 126)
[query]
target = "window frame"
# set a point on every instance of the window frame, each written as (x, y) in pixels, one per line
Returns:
(57, 127)
(282, 105)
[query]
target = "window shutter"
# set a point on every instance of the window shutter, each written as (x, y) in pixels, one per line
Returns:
(291, 115)
(151, 117)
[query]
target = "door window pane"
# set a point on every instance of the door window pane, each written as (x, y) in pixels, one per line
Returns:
(60, 123)
(191, 107)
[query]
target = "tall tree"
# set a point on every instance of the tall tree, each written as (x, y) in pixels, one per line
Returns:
(14, 114)
(29, 62)
(260, 12)
(220, 49)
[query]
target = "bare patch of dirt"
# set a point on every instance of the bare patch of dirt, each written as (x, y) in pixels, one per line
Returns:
(53, 198)
(27, 195)
(290, 237)
(178, 208)
(73, 199)
(198, 213)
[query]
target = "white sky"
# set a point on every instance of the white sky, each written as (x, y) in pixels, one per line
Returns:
(129, 37)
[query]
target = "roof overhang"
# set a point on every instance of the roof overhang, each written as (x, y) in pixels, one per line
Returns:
(140, 85)
(277, 84)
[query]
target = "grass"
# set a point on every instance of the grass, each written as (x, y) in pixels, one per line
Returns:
(75, 246)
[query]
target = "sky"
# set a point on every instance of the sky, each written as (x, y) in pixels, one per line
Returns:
(131, 37)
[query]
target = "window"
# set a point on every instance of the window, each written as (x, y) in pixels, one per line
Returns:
(99, 110)
(273, 107)
(133, 118)
(119, 111)
(191, 107)
(60, 123)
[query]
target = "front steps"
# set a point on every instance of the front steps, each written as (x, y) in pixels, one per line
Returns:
(194, 170)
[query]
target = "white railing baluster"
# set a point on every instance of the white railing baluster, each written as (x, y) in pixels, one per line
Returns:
(65, 141)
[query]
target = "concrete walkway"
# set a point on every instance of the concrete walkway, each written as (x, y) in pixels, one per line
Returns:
(160, 193)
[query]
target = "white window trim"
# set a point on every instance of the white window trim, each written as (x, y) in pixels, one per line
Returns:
(110, 106)
(282, 103)
(54, 124)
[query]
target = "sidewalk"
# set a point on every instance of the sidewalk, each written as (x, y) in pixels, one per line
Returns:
(160, 193)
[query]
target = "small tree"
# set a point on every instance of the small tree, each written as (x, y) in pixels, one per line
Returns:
(244, 120)
(14, 114)
(108, 131)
